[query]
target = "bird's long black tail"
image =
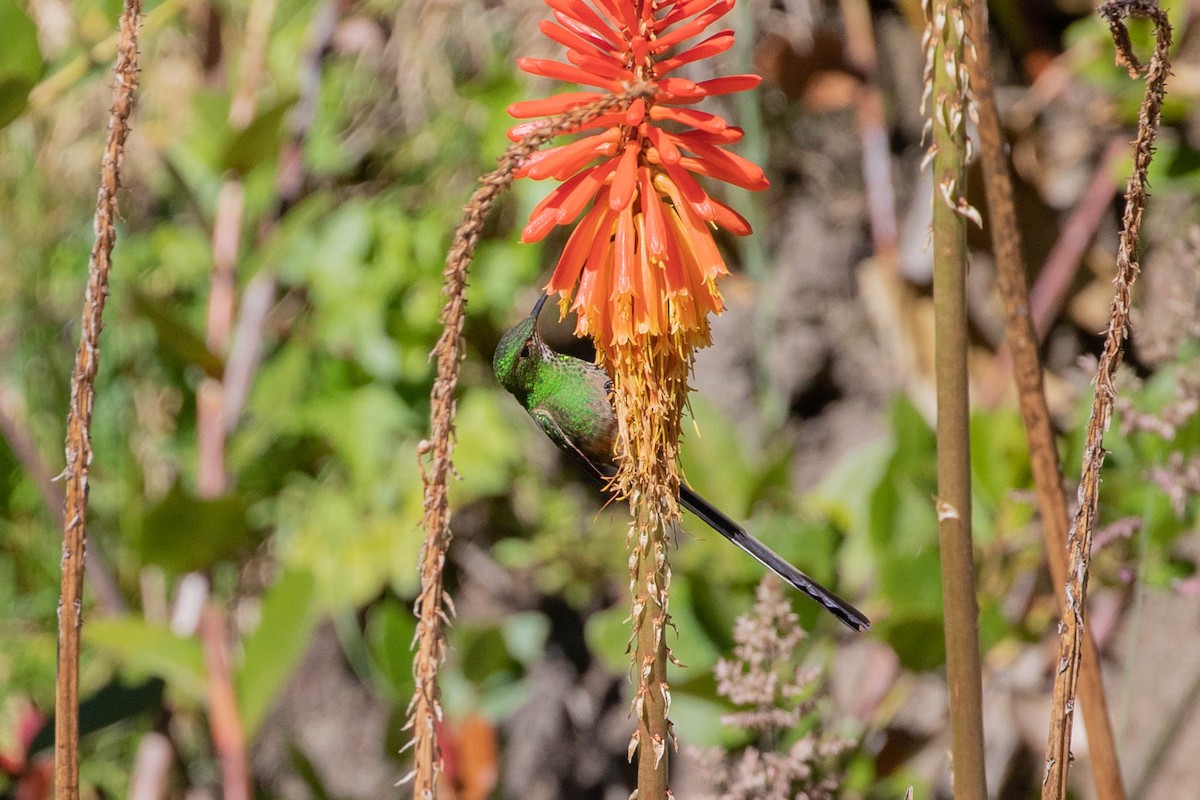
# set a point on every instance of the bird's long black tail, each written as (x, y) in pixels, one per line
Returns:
(723, 525)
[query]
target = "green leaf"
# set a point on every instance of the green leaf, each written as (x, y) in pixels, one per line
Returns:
(259, 141)
(483, 653)
(690, 644)
(607, 634)
(273, 650)
(390, 627)
(715, 462)
(701, 718)
(148, 649)
(999, 454)
(487, 449)
(918, 641)
(184, 533)
(110, 705)
(175, 337)
(525, 635)
(20, 60)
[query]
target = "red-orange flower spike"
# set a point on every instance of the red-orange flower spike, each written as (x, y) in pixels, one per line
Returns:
(643, 260)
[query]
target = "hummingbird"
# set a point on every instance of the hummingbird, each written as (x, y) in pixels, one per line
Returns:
(569, 399)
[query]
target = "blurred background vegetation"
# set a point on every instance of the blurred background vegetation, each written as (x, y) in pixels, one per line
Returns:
(812, 419)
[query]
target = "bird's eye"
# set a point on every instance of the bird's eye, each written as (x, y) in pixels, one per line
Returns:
(525, 350)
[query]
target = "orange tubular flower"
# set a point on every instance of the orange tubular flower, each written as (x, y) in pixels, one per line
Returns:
(642, 260)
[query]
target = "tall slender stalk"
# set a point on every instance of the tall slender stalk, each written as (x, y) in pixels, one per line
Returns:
(79, 418)
(650, 575)
(1072, 638)
(1022, 337)
(947, 86)
(425, 709)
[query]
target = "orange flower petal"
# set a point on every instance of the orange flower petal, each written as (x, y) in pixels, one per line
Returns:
(728, 136)
(689, 116)
(664, 143)
(624, 177)
(603, 66)
(566, 72)
(648, 305)
(554, 197)
(688, 8)
(673, 264)
(652, 210)
(551, 105)
(723, 172)
(728, 84)
(573, 203)
(688, 190)
(573, 41)
(714, 45)
(620, 12)
(589, 35)
(518, 132)
(636, 113)
(581, 11)
(696, 26)
(731, 220)
(730, 170)
(576, 153)
(696, 241)
(575, 252)
(539, 226)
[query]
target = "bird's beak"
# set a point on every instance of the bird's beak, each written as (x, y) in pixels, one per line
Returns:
(537, 309)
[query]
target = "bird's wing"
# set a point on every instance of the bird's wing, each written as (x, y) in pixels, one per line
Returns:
(546, 422)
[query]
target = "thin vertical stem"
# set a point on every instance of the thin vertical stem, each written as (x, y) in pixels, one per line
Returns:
(1021, 335)
(947, 87)
(79, 418)
(211, 479)
(229, 740)
(872, 129)
(649, 577)
(425, 708)
(1079, 541)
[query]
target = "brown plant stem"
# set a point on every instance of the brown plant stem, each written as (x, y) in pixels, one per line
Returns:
(1044, 302)
(947, 87)
(1022, 338)
(1066, 678)
(650, 574)
(79, 418)
(649, 391)
(425, 708)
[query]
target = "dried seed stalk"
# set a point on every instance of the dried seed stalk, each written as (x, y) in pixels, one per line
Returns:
(1062, 710)
(79, 418)
(1022, 338)
(425, 707)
